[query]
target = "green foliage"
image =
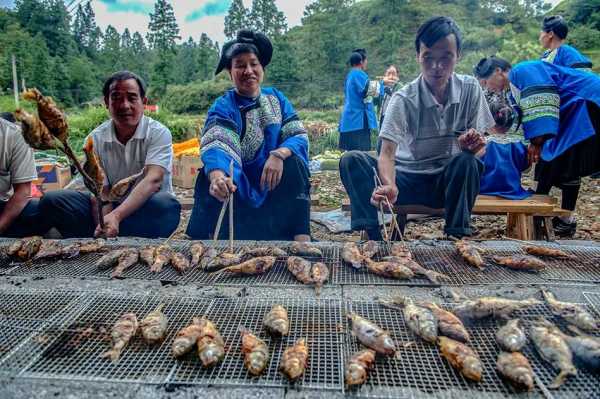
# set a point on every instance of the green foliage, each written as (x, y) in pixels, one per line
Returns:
(584, 37)
(195, 97)
(265, 17)
(330, 116)
(237, 18)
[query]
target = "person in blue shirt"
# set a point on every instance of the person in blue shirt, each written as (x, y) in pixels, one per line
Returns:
(256, 128)
(358, 116)
(559, 109)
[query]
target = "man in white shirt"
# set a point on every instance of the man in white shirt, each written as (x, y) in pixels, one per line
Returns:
(126, 144)
(19, 213)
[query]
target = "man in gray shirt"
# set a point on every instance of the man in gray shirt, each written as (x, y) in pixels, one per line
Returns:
(127, 144)
(430, 140)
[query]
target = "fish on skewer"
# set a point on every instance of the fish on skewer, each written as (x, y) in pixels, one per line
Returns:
(357, 367)
(92, 167)
(552, 347)
(186, 338)
(305, 249)
(371, 335)
(294, 360)
(369, 249)
(49, 114)
(29, 248)
(470, 253)
(389, 269)
(300, 268)
(208, 257)
(49, 249)
(448, 324)
(154, 325)
(124, 329)
(180, 262)
(417, 269)
(351, 255)
(109, 260)
(197, 249)
(419, 319)
(256, 352)
(211, 347)
(120, 189)
(520, 262)
(461, 357)
(480, 308)
(34, 132)
(251, 267)
(320, 274)
(516, 368)
(276, 321)
(571, 312)
(548, 252)
(147, 254)
(97, 245)
(222, 260)
(128, 258)
(162, 257)
(511, 337)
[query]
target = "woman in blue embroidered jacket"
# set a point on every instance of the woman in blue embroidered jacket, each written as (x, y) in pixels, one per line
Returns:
(259, 130)
(560, 111)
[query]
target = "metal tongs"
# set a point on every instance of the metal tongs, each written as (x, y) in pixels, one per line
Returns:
(228, 201)
(394, 224)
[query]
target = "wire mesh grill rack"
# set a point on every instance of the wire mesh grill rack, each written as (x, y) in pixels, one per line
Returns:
(420, 371)
(318, 321)
(73, 349)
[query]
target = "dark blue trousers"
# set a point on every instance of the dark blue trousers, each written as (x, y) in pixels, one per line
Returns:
(70, 212)
(454, 189)
(29, 222)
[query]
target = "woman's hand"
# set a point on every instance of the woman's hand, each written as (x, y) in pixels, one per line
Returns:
(533, 153)
(471, 141)
(221, 186)
(272, 172)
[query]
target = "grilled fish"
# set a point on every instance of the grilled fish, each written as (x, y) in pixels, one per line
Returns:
(30, 247)
(97, 245)
(516, 368)
(276, 321)
(147, 254)
(120, 189)
(49, 114)
(186, 338)
(491, 306)
(124, 329)
(389, 269)
(420, 320)
(208, 257)
(263, 251)
(401, 250)
(520, 262)
(197, 249)
(357, 367)
(371, 335)
(554, 349)
(300, 268)
(369, 249)
(92, 168)
(351, 254)
(70, 251)
(256, 352)
(469, 253)
(448, 324)
(222, 260)
(211, 348)
(49, 249)
(511, 337)
(154, 325)
(294, 360)
(14, 247)
(417, 269)
(461, 357)
(180, 262)
(585, 348)
(571, 312)
(251, 267)
(305, 249)
(549, 252)
(34, 132)
(162, 257)
(320, 274)
(128, 258)
(109, 260)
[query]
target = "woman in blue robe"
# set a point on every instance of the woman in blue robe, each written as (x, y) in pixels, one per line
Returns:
(358, 116)
(560, 111)
(258, 130)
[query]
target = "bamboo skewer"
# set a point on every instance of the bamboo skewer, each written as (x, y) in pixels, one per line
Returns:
(394, 223)
(386, 238)
(231, 210)
(220, 219)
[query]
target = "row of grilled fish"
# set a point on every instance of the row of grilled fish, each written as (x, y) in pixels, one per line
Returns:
(36, 248)
(307, 272)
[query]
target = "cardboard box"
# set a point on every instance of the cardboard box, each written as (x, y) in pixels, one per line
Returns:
(185, 169)
(52, 176)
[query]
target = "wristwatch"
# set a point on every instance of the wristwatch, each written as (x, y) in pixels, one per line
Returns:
(277, 154)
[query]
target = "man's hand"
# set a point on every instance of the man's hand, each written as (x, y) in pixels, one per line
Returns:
(111, 226)
(221, 186)
(533, 153)
(272, 172)
(382, 192)
(471, 141)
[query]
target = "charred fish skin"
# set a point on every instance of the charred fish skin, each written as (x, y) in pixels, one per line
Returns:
(305, 249)
(162, 257)
(370, 248)
(300, 268)
(511, 337)
(211, 348)
(147, 254)
(448, 324)
(97, 245)
(417, 269)
(371, 335)
(128, 258)
(186, 338)
(256, 352)
(251, 267)
(357, 367)
(276, 321)
(14, 247)
(520, 262)
(549, 252)
(420, 320)
(553, 349)
(461, 357)
(351, 255)
(249, 253)
(571, 312)
(30, 247)
(320, 274)
(197, 250)
(180, 262)
(516, 368)
(208, 257)
(49, 249)
(389, 269)
(469, 253)
(223, 260)
(154, 326)
(109, 260)
(474, 309)
(294, 360)
(122, 332)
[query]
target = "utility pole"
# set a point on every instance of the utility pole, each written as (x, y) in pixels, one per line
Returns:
(23, 87)
(15, 81)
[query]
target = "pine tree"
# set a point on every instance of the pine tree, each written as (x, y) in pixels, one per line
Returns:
(111, 49)
(79, 29)
(163, 32)
(236, 19)
(208, 55)
(126, 40)
(265, 17)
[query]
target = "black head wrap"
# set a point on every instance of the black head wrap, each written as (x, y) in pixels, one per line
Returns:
(556, 24)
(486, 66)
(247, 41)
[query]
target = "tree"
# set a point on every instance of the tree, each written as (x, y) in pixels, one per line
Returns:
(265, 17)
(163, 32)
(186, 65)
(111, 49)
(208, 56)
(139, 63)
(236, 19)
(85, 30)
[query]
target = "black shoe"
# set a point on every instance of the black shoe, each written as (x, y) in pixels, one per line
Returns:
(562, 228)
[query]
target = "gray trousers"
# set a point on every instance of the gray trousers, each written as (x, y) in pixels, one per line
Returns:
(455, 189)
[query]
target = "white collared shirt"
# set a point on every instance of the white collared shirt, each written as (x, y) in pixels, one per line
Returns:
(17, 164)
(151, 144)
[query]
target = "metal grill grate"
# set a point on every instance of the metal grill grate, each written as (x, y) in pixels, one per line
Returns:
(73, 349)
(422, 372)
(318, 321)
